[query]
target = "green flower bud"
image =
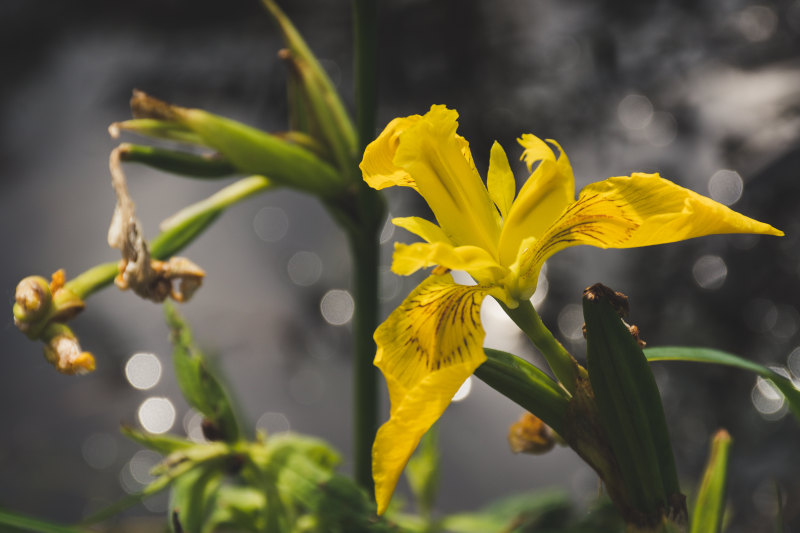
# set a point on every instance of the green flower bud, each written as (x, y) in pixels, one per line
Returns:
(33, 299)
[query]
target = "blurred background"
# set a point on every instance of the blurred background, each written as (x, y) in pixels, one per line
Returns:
(705, 92)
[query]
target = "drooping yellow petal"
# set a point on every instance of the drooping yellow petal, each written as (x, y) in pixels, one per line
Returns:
(671, 213)
(377, 166)
(408, 258)
(628, 212)
(500, 180)
(543, 197)
(432, 154)
(422, 228)
(427, 348)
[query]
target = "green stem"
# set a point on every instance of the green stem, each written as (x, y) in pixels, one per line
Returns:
(365, 249)
(563, 365)
(365, 23)
(182, 228)
(365, 245)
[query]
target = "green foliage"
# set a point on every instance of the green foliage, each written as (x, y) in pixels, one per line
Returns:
(199, 386)
(630, 410)
(13, 522)
(709, 509)
(717, 357)
(422, 472)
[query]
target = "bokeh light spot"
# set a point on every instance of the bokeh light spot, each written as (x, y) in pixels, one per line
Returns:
(271, 224)
(143, 370)
(305, 268)
(99, 450)
(337, 307)
(570, 322)
(710, 271)
(726, 186)
(157, 415)
(757, 23)
(272, 423)
(635, 111)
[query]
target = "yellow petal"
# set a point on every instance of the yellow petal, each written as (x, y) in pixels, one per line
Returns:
(422, 228)
(377, 167)
(408, 258)
(427, 347)
(669, 212)
(543, 197)
(397, 439)
(628, 212)
(500, 180)
(433, 155)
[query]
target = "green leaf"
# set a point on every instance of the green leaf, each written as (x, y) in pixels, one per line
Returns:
(422, 471)
(184, 163)
(193, 499)
(18, 522)
(163, 444)
(200, 387)
(717, 357)
(630, 408)
(710, 506)
(526, 385)
(499, 517)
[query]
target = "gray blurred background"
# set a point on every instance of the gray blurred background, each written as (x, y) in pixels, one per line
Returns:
(705, 92)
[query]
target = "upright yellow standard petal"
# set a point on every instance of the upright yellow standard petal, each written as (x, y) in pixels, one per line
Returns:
(500, 180)
(433, 155)
(543, 197)
(377, 166)
(427, 348)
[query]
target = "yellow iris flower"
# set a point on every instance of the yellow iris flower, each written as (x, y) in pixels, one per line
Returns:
(433, 341)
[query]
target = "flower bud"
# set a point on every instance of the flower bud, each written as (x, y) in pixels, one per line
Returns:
(530, 435)
(62, 350)
(33, 299)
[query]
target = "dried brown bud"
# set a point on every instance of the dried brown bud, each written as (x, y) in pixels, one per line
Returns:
(530, 435)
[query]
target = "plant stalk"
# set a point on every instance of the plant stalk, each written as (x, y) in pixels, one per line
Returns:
(561, 362)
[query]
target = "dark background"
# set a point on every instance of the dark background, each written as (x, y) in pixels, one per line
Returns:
(716, 86)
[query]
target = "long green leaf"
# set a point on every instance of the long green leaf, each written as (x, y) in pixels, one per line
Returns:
(20, 522)
(200, 387)
(710, 506)
(526, 385)
(630, 406)
(717, 357)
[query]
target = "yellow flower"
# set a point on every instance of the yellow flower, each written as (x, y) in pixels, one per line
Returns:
(433, 341)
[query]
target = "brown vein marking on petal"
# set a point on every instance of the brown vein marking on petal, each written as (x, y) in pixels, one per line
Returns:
(592, 219)
(441, 327)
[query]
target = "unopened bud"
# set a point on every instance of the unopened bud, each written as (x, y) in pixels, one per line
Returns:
(33, 299)
(530, 435)
(63, 351)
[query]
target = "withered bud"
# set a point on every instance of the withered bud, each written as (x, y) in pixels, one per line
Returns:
(617, 300)
(145, 106)
(530, 435)
(62, 350)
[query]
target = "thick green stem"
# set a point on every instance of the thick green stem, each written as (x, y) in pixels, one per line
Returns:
(365, 248)
(563, 365)
(365, 24)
